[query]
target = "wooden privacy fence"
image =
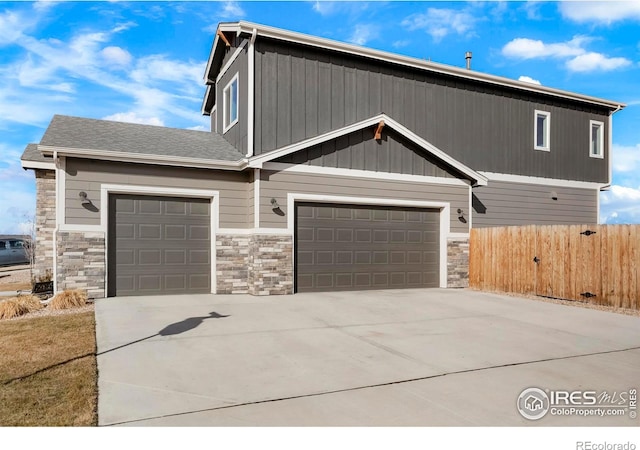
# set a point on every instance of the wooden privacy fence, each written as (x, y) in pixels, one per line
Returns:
(589, 263)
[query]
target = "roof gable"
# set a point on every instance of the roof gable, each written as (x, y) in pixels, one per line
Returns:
(436, 158)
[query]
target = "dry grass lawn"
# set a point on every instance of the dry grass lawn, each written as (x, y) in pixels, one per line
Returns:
(17, 286)
(48, 372)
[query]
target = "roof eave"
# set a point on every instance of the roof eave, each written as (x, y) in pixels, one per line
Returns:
(144, 158)
(26, 164)
(277, 33)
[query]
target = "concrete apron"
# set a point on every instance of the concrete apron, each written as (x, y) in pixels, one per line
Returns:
(424, 357)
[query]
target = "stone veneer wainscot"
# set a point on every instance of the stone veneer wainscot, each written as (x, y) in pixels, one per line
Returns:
(458, 262)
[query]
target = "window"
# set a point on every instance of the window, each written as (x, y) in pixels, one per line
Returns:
(16, 244)
(541, 127)
(596, 139)
(230, 98)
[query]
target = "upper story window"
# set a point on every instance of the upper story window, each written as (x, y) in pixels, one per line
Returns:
(541, 130)
(596, 139)
(230, 100)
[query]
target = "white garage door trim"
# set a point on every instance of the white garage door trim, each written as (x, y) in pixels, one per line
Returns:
(213, 196)
(444, 208)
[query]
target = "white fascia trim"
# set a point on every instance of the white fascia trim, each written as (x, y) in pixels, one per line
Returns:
(254, 231)
(445, 210)
(231, 60)
(256, 198)
(38, 165)
(356, 173)
(204, 100)
(541, 181)
(251, 92)
(143, 158)
(258, 161)
(213, 196)
(276, 33)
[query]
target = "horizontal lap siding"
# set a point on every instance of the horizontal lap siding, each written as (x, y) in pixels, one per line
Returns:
(89, 176)
(304, 92)
(530, 204)
(278, 184)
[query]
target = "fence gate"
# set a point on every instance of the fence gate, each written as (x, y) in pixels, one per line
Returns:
(599, 264)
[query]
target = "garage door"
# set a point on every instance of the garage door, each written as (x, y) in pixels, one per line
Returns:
(349, 247)
(158, 245)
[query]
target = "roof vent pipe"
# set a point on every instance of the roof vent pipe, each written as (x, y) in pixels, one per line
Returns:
(468, 57)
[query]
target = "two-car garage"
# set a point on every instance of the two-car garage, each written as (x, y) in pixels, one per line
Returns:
(162, 245)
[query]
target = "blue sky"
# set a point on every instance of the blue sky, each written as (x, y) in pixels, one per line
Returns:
(144, 61)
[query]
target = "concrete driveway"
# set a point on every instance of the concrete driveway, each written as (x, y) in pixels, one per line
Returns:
(426, 357)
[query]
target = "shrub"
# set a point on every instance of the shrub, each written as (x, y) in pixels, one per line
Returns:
(68, 299)
(18, 306)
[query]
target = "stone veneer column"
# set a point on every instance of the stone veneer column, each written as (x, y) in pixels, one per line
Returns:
(271, 265)
(81, 262)
(458, 262)
(45, 223)
(232, 264)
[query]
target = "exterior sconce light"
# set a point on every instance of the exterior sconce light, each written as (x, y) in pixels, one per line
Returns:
(83, 198)
(554, 195)
(274, 204)
(461, 216)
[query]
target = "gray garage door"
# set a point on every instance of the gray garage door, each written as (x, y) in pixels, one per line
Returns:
(349, 247)
(159, 245)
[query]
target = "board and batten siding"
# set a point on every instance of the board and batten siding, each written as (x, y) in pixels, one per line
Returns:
(277, 185)
(303, 92)
(504, 203)
(237, 134)
(89, 176)
(360, 151)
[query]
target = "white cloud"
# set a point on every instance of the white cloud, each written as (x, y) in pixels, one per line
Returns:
(401, 43)
(596, 61)
(132, 117)
(325, 8)
(198, 128)
(439, 23)
(124, 26)
(231, 10)
(578, 59)
(620, 204)
(116, 55)
(532, 8)
(363, 33)
(626, 159)
(523, 48)
(600, 12)
(527, 79)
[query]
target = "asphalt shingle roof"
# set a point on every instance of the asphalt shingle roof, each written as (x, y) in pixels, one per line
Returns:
(92, 134)
(31, 153)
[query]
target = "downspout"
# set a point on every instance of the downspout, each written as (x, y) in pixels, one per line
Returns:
(606, 186)
(250, 93)
(56, 162)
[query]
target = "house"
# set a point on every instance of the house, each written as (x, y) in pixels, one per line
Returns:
(329, 166)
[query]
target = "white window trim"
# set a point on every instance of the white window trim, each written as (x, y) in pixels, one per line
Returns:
(226, 127)
(547, 136)
(600, 140)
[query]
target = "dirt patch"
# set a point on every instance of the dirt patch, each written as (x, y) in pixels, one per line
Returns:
(12, 279)
(557, 301)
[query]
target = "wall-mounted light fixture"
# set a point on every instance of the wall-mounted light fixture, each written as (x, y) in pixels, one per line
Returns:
(554, 195)
(461, 216)
(274, 204)
(83, 198)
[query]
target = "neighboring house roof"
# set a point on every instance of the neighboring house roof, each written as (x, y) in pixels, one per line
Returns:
(103, 139)
(477, 178)
(248, 28)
